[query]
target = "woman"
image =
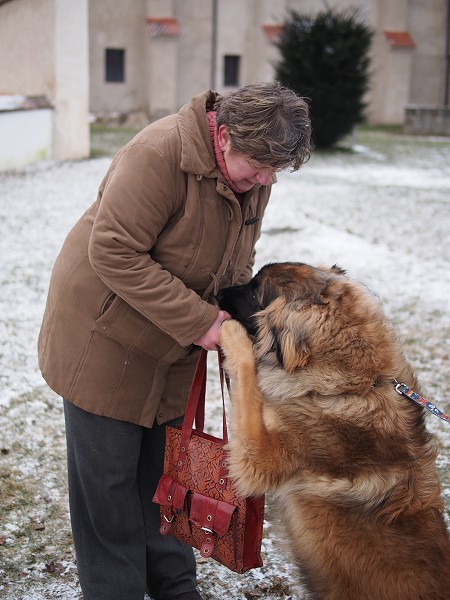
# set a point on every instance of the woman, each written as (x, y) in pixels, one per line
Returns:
(131, 299)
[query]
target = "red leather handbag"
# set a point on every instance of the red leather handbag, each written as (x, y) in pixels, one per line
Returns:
(198, 502)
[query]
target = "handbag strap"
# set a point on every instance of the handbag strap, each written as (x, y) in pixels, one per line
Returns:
(195, 407)
(222, 377)
(200, 411)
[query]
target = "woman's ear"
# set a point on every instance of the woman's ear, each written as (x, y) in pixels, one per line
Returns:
(223, 137)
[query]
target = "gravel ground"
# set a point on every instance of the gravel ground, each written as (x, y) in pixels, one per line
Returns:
(379, 210)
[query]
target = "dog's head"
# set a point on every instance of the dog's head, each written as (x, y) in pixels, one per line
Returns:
(302, 316)
(287, 280)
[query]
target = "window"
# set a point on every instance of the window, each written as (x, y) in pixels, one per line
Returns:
(115, 64)
(231, 70)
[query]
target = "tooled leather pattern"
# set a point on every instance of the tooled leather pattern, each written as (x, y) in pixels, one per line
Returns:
(201, 473)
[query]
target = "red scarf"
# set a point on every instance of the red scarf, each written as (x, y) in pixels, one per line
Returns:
(211, 118)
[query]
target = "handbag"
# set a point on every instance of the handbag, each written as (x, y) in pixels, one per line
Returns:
(198, 502)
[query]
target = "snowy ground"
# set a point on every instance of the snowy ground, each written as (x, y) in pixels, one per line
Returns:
(380, 211)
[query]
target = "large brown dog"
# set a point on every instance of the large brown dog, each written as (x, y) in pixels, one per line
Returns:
(317, 421)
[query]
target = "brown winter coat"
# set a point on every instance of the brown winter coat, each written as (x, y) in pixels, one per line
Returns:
(131, 289)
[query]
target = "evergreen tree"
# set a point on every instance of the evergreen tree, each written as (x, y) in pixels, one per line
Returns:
(326, 59)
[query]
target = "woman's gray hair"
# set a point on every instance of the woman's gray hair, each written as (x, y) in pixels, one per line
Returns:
(268, 123)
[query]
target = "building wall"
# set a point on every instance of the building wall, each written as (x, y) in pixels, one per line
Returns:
(163, 59)
(27, 60)
(44, 51)
(391, 66)
(162, 73)
(428, 21)
(195, 49)
(239, 33)
(117, 25)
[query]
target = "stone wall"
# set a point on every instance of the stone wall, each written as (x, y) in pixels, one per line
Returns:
(427, 120)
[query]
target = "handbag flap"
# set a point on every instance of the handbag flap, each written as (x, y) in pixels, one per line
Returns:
(210, 514)
(170, 493)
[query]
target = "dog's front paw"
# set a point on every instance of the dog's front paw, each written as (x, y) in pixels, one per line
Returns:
(233, 335)
(236, 345)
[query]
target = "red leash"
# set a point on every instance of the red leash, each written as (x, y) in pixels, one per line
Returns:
(404, 390)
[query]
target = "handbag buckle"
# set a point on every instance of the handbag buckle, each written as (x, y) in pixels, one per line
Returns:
(207, 530)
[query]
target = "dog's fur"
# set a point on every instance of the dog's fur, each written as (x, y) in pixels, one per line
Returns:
(317, 421)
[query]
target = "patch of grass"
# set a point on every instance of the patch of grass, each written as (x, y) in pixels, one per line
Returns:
(377, 138)
(396, 129)
(105, 141)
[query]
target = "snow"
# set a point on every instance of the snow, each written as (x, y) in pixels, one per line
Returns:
(11, 102)
(380, 211)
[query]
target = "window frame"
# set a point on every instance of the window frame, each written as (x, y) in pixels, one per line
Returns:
(115, 65)
(231, 70)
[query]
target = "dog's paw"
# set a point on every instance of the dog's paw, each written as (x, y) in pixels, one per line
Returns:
(233, 335)
(236, 346)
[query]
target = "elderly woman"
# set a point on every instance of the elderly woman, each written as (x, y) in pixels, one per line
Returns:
(131, 300)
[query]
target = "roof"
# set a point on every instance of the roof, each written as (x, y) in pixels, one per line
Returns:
(272, 32)
(18, 102)
(163, 27)
(399, 39)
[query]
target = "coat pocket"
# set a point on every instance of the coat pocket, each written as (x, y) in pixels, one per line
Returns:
(126, 326)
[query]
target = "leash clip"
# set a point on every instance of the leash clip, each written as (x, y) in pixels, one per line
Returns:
(404, 390)
(401, 388)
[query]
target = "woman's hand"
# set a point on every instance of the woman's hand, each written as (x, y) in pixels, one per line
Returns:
(210, 340)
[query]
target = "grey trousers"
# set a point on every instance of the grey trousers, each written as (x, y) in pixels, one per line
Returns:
(113, 470)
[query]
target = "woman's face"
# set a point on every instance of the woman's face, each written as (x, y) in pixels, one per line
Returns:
(244, 172)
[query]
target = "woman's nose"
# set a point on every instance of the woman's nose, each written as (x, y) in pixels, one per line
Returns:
(264, 175)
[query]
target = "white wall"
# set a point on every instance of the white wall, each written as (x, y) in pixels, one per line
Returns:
(17, 147)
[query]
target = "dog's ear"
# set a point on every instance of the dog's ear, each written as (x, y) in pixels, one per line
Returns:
(281, 333)
(292, 351)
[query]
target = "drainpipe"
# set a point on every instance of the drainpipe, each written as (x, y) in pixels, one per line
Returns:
(214, 44)
(447, 58)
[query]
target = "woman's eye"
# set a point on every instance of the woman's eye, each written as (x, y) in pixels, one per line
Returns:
(255, 166)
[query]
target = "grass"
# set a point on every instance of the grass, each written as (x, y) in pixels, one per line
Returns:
(105, 141)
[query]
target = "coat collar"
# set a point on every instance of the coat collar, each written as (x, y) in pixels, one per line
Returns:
(197, 152)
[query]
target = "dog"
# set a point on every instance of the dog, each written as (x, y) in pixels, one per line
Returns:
(316, 420)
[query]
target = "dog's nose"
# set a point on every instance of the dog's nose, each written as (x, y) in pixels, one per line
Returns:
(220, 297)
